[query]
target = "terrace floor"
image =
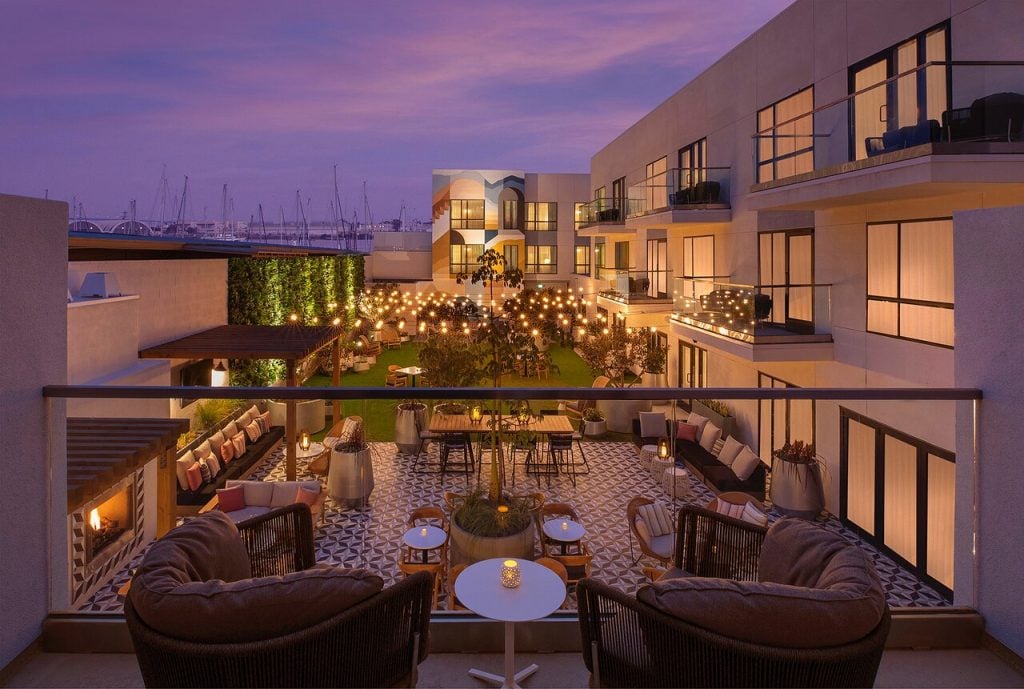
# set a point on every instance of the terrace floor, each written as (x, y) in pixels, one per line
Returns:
(371, 537)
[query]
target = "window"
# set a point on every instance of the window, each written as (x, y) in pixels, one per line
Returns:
(579, 214)
(782, 421)
(916, 97)
(698, 266)
(541, 217)
(618, 201)
(898, 493)
(467, 214)
(657, 268)
(511, 253)
(693, 164)
(786, 147)
(599, 258)
(785, 259)
(510, 215)
(462, 257)
(656, 189)
(910, 280)
(622, 255)
(542, 259)
(581, 264)
(692, 371)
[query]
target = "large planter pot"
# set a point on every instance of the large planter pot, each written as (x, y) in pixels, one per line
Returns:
(410, 420)
(655, 380)
(595, 429)
(350, 477)
(619, 414)
(469, 548)
(797, 489)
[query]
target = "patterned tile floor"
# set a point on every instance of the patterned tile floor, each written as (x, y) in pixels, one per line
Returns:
(371, 537)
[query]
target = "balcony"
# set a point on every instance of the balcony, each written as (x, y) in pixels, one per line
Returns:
(602, 216)
(757, 322)
(637, 286)
(864, 147)
(680, 196)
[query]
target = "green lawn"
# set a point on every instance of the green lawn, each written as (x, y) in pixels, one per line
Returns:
(379, 415)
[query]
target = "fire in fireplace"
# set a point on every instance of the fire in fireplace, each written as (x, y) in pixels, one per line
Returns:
(108, 522)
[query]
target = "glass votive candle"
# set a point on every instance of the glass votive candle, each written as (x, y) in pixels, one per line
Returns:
(423, 532)
(565, 525)
(510, 574)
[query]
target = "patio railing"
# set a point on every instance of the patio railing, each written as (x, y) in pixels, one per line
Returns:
(679, 189)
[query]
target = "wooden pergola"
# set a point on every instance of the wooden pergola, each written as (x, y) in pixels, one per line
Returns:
(102, 451)
(292, 343)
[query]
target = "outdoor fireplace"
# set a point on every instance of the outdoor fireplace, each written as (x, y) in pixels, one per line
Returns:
(108, 522)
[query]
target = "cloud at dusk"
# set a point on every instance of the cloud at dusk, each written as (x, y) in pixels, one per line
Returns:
(95, 97)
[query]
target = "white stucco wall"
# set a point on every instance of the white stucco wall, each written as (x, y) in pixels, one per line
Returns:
(33, 347)
(989, 332)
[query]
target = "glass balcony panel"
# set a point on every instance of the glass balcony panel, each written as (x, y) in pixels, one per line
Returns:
(679, 189)
(632, 286)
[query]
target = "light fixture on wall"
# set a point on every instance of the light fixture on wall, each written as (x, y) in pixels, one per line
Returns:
(219, 375)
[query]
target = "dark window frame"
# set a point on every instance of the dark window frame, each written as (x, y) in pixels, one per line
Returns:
(775, 156)
(467, 221)
(541, 225)
(536, 268)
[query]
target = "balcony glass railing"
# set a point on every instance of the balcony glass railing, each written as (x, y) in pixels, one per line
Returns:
(636, 285)
(679, 189)
(903, 111)
(752, 313)
(601, 212)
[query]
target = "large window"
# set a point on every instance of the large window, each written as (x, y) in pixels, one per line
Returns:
(693, 163)
(600, 259)
(910, 280)
(782, 421)
(698, 265)
(656, 189)
(657, 268)
(462, 257)
(542, 259)
(467, 214)
(622, 255)
(899, 493)
(510, 219)
(914, 98)
(786, 273)
(541, 216)
(581, 264)
(579, 210)
(786, 147)
(511, 253)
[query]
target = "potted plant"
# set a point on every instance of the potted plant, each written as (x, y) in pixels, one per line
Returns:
(797, 489)
(483, 528)
(410, 421)
(350, 477)
(594, 425)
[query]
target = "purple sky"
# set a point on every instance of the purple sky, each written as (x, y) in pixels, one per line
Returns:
(95, 96)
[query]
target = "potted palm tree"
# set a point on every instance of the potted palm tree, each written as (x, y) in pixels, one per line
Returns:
(797, 489)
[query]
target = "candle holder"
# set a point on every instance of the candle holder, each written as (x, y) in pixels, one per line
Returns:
(423, 532)
(565, 525)
(304, 440)
(510, 574)
(476, 414)
(663, 450)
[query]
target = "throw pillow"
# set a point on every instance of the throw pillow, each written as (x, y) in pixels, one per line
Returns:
(283, 495)
(231, 499)
(686, 431)
(253, 412)
(698, 421)
(244, 419)
(730, 449)
(657, 518)
(642, 530)
(745, 463)
(204, 470)
(307, 496)
(351, 431)
(227, 451)
(753, 515)
(253, 432)
(195, 476)
(652, 424)
(214, 465)
(265, 421)
(216, 440)
(238, 440)
(709, 435)
(184, 462)
(203, 449)
(230, 429)
(716, 449)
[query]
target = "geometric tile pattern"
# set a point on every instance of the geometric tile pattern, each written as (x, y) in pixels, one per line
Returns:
(371, 537)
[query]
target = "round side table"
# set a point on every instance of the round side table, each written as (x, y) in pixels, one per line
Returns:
(659, 465)
(676, 482)
(647, 453)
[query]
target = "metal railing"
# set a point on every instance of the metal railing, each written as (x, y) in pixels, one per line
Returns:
(603, 211)
(679, 188)
(935, 102)
(636, 285)
(747, 312)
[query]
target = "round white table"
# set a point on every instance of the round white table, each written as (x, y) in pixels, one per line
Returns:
(315, 450)
(647, 453)
(565, 531)
(424, 538)
(412, 372)
(539, 594)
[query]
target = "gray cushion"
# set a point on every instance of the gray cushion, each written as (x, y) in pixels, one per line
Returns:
(663, 545)
(652, 424)
(247, 512)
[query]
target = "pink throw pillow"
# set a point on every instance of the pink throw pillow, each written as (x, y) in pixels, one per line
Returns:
(227, 451)
(238, 440)
(231, 499)
(264, 420)
(195, 476)
(307, 496)
(686, 431)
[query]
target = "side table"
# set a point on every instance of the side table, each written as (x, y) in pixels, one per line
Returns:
(659, 465)
(676, 482)
(647, 453)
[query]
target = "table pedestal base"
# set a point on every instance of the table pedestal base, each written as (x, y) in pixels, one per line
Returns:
(512, 678)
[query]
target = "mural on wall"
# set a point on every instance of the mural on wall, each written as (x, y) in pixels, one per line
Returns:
(469, 214)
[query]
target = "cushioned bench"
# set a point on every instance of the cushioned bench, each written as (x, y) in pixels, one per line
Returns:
(260, 497)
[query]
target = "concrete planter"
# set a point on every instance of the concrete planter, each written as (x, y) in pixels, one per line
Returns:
(471, 548)
(595, 429)
(619, 414)
(410, 419)
(797, 489)
(350, 477)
